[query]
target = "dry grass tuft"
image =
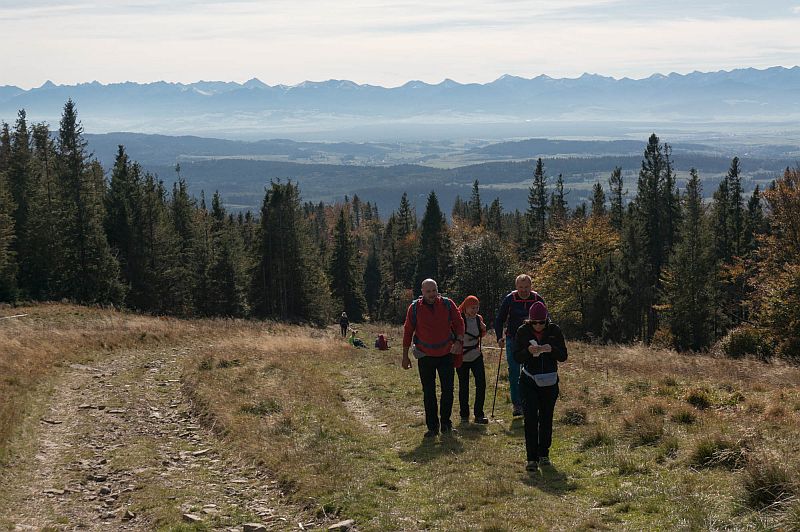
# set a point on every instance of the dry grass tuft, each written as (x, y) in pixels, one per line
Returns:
(769, 481)
(718, 451)
(643, 426)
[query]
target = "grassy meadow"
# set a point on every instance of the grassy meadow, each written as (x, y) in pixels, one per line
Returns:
(644, 439)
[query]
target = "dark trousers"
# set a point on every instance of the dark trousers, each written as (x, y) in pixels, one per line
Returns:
(428, 368)
(344, 329)
(538, 404)
(478, 370)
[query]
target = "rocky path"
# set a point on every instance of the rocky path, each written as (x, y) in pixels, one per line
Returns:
(118, 448)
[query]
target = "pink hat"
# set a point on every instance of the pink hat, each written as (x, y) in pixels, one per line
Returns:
(538, 311)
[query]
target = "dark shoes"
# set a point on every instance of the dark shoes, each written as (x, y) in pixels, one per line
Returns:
(465, 420)
(447, 429)
(431, 434)
(544, 460)
(532, 466)
(482, 420)
(517, 411)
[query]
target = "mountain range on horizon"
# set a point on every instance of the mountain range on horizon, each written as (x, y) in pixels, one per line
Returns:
(508, 106)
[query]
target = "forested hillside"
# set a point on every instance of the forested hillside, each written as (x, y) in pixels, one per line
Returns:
(645, 260)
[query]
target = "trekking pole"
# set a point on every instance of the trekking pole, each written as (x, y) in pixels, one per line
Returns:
(497, 378)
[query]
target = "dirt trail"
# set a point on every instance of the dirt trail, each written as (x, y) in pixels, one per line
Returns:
(118, 448)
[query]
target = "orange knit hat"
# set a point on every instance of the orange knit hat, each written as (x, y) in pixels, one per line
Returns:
(469, 300)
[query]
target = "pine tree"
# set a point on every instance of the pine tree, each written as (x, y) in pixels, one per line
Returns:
(90, 273)
(345, 274)
(475, 207)
(432, 257)
(687, 279)
(598, 201)
(615, 182)
(537, 209)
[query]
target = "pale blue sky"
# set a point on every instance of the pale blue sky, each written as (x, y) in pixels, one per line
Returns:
(386, 42)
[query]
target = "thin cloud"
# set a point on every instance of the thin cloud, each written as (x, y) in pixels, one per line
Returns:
(386, 43)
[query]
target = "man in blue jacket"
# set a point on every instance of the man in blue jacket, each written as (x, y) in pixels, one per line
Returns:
(513, 311)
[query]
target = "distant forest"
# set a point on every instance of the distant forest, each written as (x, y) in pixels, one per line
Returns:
(656, 265)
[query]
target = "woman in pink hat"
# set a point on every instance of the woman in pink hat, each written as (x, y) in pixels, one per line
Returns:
(539, 347)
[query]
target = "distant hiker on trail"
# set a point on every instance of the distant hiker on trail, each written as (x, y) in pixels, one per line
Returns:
(472, 360)
(435, 328)
(513, 311)
(344, 323)
(539, 347)
(381, 343)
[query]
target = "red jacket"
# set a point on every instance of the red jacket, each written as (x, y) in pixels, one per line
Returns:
(433, 327)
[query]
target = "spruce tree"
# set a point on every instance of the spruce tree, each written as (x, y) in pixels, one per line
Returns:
(494, 218)
(345, 274)
(754, 224)
(227, 286)
(687, 279)
(721, 214)
(182, 216)
(475, 206)
(616, 212)
(19, 183)
(558, 204)
(598, 201)
(432, 257)
(537, 209)
(287, 282)
(44, 237)
(736, 214)
(8, 261)
(90, 273)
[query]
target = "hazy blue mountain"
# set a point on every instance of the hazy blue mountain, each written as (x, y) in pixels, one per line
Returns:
(333, 108)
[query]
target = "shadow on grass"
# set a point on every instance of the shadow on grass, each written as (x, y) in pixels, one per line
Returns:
(429, 449)
(550, 480)
(472, 431)
(515, 428)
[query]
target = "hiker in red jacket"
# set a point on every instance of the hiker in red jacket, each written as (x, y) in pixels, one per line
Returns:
(435, 328)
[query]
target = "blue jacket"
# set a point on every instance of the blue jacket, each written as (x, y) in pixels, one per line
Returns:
(513, 311)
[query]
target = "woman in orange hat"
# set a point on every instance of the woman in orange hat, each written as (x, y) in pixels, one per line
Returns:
(471, 360)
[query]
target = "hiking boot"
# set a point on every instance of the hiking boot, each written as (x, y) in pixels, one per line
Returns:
(447, 428)
(481, 420)
(532, 465)
(432, 433)
(517, 412)
(544, 460)
(465, 420)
